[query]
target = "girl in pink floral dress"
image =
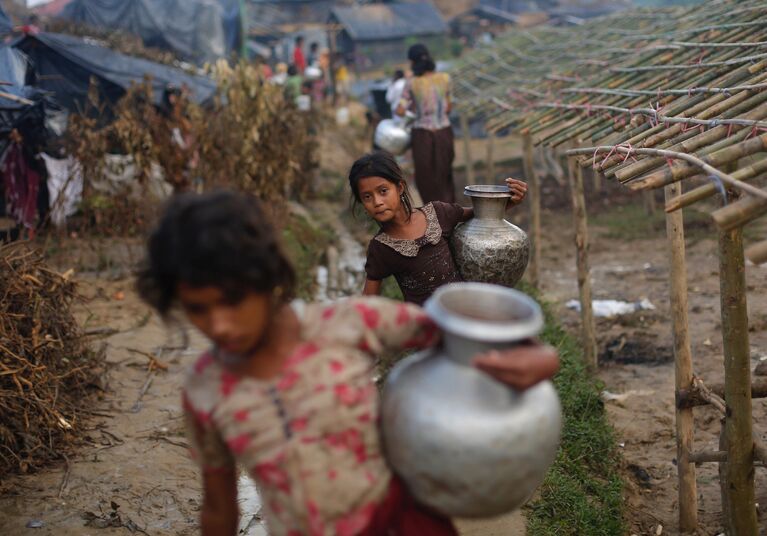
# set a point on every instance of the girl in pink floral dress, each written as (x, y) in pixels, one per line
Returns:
(287, 394)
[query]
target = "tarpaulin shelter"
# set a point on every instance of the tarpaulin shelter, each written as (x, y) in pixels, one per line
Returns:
(64, 65)
(197, 30)
(376, 34)
(5, 23)
(23, 109)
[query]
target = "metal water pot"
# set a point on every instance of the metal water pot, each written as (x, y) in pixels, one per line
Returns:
(465, 444)
(392, 136)
(487, 248)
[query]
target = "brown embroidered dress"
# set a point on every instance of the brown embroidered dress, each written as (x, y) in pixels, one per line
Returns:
(420, 265)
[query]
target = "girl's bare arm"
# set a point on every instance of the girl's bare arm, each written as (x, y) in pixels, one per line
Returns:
(520, 367)
(372, 287)
(220, 514)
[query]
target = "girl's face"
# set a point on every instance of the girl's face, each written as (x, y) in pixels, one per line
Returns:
(380, 197)
(236, 325)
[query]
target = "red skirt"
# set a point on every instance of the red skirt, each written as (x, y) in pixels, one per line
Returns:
(400, 515)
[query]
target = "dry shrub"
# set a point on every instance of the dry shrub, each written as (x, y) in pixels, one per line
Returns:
(46, 369)
(252, 138)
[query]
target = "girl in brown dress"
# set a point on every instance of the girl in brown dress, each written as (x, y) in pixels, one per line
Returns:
(412, 244)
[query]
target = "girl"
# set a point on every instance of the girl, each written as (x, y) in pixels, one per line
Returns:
(412, 244)
(289, 396)
(427, 95)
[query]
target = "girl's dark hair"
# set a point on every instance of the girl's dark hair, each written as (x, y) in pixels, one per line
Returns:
(420, 60)
(378, 164)
(220, 239)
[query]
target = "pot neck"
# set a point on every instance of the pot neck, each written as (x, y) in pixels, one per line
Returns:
(463, 351)
(489, 208)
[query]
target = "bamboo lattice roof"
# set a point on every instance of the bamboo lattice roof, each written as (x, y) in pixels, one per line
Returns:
(649, 97)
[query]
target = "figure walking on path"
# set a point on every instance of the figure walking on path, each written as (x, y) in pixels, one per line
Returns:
(427, 95)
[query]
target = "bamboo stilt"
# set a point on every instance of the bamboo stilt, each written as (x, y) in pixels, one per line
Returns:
(490, 167)
(741, 520)
(535, 209)
(468, 160)
(688, 496)
(648, 197)
(588, 336)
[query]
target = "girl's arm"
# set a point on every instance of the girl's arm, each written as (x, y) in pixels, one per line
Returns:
(520, 367)
(372, 287)
(220, 514)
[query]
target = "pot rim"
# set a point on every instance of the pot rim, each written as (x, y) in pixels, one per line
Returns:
(486, 331)
(487, 191)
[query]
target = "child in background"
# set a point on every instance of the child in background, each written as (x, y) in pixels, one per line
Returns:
(412, 244)
(287, 395)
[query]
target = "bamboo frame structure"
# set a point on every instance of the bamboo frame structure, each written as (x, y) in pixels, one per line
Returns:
(580, 223)
(663, 96)
(535, 210)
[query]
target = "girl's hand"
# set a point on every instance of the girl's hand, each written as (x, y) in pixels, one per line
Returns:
(520, 367)
(518, 190)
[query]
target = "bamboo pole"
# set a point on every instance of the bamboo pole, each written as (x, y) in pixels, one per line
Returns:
(588, 335)
(757, 253)
(737, 373)
(739, 213)
(688, 496)
(707, 164)
(535, 209)
(707, 190)
(708, 456)
(692, 397)
(468, 160)
(490, 166)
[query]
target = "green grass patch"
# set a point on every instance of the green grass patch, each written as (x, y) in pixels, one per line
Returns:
(583, 491)
(305, 245)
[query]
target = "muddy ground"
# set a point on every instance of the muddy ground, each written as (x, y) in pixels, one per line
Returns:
(133, 475)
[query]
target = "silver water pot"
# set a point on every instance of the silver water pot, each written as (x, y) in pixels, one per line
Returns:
(487, 248)
(392, 136)
(465, 444)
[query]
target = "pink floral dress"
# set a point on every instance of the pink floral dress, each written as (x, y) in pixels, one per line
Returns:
(309, 438)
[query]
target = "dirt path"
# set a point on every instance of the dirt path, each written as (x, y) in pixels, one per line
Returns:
(639, 366)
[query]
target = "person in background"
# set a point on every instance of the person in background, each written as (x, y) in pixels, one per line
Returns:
(281, 76)
(427, 95)
(293, 82)
(313, 58)
(342, 81)
(299, 60)
(394, 93)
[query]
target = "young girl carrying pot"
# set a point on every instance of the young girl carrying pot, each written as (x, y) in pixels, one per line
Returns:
(412, 244)
(288, 395)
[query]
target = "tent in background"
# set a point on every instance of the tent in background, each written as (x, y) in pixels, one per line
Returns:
(196, 30)
(64, 66)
